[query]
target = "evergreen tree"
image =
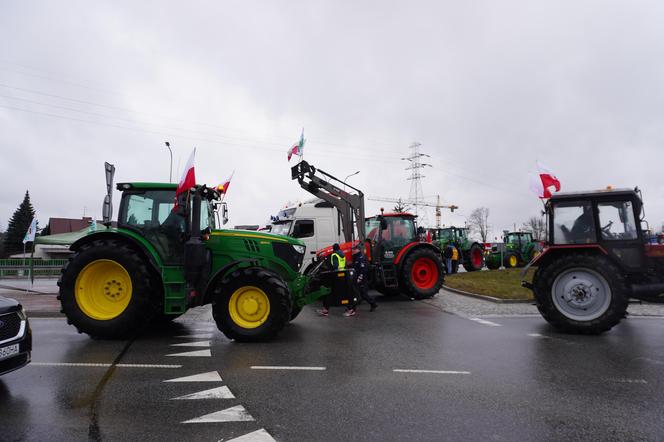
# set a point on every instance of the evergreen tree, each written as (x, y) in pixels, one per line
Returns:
(18, 226)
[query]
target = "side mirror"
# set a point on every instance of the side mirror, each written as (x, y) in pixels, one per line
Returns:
(224, 213)
(420, 230)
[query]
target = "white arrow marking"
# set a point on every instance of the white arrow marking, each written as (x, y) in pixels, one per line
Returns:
(233, 414)
(213, 393)
(197, 353)
(193, 344)
(257, 436)
(199, 336)
(210, 376)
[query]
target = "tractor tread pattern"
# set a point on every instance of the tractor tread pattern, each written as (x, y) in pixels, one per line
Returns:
(144, 302)
(281, 305)
(543, 283)
(408, 286)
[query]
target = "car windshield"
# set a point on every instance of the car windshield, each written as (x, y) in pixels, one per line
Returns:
(281, 228)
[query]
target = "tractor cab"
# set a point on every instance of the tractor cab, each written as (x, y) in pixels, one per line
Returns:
(519, 239)
(148, 210)
(609, 219)
(396, 231)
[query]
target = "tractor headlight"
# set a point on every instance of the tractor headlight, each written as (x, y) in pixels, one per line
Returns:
(299, 249)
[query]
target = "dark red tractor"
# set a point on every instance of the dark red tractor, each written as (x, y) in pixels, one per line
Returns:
(598, 255)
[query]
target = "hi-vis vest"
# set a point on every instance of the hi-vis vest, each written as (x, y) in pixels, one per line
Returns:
(340, 258)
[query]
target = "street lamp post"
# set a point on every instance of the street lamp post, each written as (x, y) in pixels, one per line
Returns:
(170, 171)
(346, 179)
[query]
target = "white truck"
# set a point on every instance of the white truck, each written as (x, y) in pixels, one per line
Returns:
(316, 222)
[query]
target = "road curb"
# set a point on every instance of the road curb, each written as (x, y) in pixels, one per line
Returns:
(487, 298)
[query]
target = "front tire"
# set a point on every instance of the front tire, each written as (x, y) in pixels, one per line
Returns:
(581, 294)
(251, 305)
(511, 261)
(422, 273)
(108, 291)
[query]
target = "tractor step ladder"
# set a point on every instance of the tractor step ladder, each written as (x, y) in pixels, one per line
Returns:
(389, 275)
(174, 290)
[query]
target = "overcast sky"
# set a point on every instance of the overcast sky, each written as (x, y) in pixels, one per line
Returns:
(487, 88)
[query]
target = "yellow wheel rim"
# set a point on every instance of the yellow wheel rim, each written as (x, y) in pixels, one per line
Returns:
(249, 307)
(103, 289)
(513, 261)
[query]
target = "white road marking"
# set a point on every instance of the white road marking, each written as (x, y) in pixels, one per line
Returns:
(537, 335)
(199, 336)
(403, 370)
(284, 367)
(193, 344)
(101, 364)
(213, 393)
(233, 414)
(257, 436)
(201, 330)
(627, 381)
(194, 354)
(210, 376)
(485, 322)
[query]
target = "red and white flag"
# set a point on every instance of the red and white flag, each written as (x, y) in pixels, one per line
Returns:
(223, 188)
(297, 148)
(188, 179)
(544, 181)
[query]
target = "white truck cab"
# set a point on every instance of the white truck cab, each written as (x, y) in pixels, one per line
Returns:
(316, 222)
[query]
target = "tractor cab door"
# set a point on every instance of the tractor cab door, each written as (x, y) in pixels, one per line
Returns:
(618, 232)
(150, 214)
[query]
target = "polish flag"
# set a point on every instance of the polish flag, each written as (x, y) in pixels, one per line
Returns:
(188, 179)
(223, 188)
(542, 183)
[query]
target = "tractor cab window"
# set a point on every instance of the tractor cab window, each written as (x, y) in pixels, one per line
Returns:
(460, 233)
(400, 231)
(616, 220)
(574, 223)
(207, 215)
(446, 234)
(151, 213)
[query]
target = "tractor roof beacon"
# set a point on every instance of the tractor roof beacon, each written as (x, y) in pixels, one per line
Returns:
(160, 261)
(596, 258)
(399, 261)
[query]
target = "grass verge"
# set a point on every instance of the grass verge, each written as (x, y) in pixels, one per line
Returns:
(503, 284)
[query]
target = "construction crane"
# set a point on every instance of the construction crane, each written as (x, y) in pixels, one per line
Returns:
(438, 205)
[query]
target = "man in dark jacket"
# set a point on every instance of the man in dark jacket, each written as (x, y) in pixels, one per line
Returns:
(361, 283)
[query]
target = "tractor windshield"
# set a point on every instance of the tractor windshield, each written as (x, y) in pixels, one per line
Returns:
(573, 223)
(616, 220)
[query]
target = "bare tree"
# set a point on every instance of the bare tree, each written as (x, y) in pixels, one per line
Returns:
(537, 226)
(401, 207)
(478, 221)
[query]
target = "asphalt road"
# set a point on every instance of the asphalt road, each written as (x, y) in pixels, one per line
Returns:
(409, 371)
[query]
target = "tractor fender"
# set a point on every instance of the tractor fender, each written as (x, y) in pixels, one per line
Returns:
(145, 248)
(551, 252)
(221, 273)
(401, 256)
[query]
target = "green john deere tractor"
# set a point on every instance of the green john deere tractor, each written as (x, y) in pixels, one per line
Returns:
(160, 261)
(471, 253)
(516, 250)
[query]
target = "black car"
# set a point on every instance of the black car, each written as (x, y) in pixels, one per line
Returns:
(15, 336)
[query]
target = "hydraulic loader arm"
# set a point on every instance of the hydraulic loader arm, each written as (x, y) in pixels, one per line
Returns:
(349, 205)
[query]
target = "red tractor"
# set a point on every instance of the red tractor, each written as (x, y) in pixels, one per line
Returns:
(597, 257)
(400, 261)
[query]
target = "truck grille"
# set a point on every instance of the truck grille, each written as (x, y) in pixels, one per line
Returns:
(10, 324)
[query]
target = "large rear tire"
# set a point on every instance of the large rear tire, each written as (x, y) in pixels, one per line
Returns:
(581, 294)
(474, 259)
(422, 273)
(251, 305)
(108, 291)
